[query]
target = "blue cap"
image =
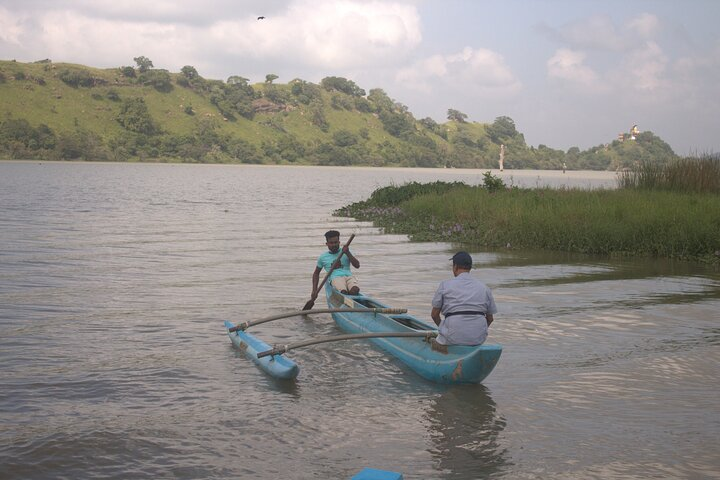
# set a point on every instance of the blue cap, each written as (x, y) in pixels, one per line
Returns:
(462, 259)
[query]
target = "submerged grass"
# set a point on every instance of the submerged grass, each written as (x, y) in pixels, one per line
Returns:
(615, 222)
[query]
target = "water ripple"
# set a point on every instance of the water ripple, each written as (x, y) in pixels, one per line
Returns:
(115, 280)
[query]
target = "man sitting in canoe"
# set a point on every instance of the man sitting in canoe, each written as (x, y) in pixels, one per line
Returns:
(341, 278)
(466, 303)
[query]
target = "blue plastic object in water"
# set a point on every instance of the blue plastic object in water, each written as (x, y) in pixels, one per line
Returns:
(374, 474)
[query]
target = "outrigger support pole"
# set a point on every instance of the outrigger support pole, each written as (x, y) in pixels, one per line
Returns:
(245, 325)
(280, 349)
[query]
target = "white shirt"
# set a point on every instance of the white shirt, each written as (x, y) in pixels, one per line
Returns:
(463, 294)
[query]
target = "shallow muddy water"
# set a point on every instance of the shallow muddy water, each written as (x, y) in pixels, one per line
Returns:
(115, 280)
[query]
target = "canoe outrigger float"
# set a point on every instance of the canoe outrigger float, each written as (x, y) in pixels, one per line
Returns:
(401, 335)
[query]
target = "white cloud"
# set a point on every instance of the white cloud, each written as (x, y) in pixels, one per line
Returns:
(10, 27)
(331, 34)
(637, 63)
(334, 35)
(158, 11)
(646, 67)
(480, 71)
(594, 32)
(568, 65)
(68, 36)
(645, 25)
(599, 32)
(704, 64)
(418, 76)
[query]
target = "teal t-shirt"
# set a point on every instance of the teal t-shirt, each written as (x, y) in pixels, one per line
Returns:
(326, 260)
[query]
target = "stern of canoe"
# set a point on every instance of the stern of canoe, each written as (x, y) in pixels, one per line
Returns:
(438, 363)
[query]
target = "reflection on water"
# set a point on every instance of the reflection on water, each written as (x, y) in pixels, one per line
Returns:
(465, 432)
(115, 281)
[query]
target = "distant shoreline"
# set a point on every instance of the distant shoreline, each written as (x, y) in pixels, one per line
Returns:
(585, 174)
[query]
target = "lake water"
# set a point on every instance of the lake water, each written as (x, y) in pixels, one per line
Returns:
(115, 280)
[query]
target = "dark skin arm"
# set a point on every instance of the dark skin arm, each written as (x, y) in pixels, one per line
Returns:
(435, 315)
(353, 261)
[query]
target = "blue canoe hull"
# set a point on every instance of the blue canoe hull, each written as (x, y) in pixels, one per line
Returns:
(278, 366)
(437, 363)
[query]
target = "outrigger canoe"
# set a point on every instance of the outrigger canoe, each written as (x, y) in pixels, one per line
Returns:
(276, 365)
(435, 362)
(403, 336)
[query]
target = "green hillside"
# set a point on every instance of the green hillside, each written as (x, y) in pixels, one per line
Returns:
(63, 111)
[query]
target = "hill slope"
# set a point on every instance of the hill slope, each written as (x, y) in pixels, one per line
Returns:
(65, 111)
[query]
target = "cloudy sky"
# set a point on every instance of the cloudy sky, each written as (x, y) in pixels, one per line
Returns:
(568, 72)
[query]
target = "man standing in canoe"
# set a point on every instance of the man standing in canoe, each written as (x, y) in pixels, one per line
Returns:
(467, 304)
(341, 278)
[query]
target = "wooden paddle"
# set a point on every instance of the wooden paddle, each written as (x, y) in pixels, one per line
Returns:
(335, 264)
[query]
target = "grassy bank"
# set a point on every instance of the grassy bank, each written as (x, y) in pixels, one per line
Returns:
(614, 222)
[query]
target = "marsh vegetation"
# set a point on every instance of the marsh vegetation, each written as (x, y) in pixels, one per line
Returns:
(670, 211)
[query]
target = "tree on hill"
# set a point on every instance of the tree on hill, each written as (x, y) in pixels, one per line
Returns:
(143, 63)
(456, 116)
(135, 117)
(127, 71)
(572, 156)
(277, 94)
(305, 92)
(237, 80)
(270, 77)
(342, 85)
(396, 124)
(547, 158)
(157, 78)
(191, 78)
(429, 123)
(501, 130)
(464, 137)
(595, 158)
(344, 138)
(341, 102)
(363, 105)
(189, 72)
(234, 97)
(655, 146)
(76, 77)
(317, 117)
(20, 131)
(434, 127)
(381, 99)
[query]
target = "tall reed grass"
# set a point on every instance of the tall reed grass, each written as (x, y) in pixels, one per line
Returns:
(690, 174)
(630, 221)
